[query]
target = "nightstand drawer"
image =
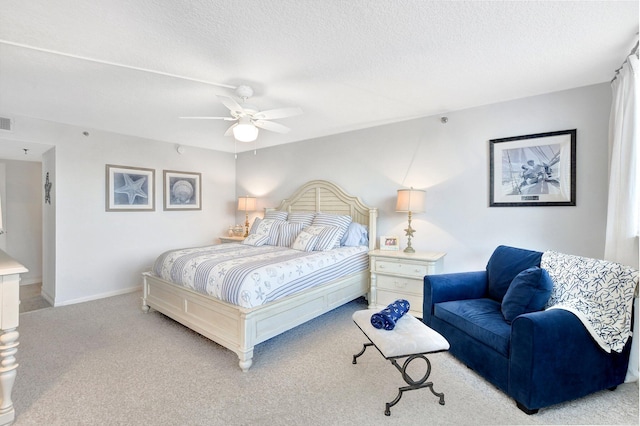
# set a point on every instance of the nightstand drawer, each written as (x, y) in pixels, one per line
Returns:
(401, 268)
(400, 284)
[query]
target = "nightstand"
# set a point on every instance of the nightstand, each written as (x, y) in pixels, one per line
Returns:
(224, 240)
(399, 275)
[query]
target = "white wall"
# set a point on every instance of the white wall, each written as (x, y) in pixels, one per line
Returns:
(49, 229)
(451, 163)
(22, 213)
(99, 253)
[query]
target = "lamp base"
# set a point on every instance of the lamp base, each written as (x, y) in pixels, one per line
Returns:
(409, 250)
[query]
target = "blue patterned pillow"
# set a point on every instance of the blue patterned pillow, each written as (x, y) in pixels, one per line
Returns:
(270, 227)
(328, 237)
(329, 219)
(302, 217)
(288, 233)
(305, 241)
(256, 240)
(528, 292)
(276, 215)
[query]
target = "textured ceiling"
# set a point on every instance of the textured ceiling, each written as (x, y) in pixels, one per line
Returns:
(135, 67)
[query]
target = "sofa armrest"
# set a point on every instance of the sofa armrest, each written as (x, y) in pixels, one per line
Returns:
(456, 286)
(553, 359)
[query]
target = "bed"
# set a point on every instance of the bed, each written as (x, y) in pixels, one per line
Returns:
(240, 328)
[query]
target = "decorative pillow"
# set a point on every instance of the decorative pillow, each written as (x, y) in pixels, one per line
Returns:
(328, 219)
(356, 235)
(503, 266)
(270, 227)
(302, 217)
(288, 233)
(305, 242)
(528, 292)
(254, 225)
(276, 214)
(256, 240)
(328, 236)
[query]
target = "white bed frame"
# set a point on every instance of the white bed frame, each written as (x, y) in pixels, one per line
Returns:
(240, 329)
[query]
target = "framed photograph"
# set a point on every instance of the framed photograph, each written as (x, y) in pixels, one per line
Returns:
(182, 190)
(130, 189)
(533, 170)
(389, 243)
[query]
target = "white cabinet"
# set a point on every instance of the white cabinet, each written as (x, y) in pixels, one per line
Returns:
(399, 275)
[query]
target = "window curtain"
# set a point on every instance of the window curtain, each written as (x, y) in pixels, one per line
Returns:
(623, 221)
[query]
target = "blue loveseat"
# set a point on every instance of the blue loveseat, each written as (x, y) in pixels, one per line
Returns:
(542, 357)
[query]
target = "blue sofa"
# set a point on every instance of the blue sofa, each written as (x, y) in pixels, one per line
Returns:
(542, 357)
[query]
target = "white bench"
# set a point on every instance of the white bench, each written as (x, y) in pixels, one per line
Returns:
(410, 339)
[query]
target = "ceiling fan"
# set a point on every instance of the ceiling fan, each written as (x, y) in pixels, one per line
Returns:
(248, 118)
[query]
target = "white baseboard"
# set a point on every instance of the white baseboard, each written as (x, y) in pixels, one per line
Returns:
(95, 296)
(30, 280)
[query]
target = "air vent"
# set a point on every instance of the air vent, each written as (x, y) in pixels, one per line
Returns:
(5, 123)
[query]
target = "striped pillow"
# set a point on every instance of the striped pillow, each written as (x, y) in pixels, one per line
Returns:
(328, 219)
(270, 227)
(305, 242)
(288, 233)
(254, 226)
(302, 217)
(276, 214)
(256, 240)
(328, 236)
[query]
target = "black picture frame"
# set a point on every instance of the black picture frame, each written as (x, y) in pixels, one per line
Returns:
(533, 170)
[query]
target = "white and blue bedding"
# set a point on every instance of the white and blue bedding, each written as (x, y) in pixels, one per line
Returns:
(250, 276)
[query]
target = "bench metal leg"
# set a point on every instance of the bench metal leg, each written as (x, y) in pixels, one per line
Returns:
(364, 348)
(413, 384)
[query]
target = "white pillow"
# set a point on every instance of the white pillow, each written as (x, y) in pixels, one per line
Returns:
(329, 219)
(256, 240)
(288, 233)
(254, 225)
(328, 237)
(305, 241)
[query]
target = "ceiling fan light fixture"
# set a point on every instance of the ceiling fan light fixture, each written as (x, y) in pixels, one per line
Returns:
(245, 131)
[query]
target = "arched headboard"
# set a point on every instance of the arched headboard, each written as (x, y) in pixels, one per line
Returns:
(327, 197)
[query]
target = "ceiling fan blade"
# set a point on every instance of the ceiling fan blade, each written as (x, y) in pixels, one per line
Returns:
(210, 118)
(231, 104)
(229, 131)
(268, 125)
(273, 114)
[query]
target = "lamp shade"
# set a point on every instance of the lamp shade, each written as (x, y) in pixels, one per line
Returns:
(245, 131)
(410, 200)
(247, 204)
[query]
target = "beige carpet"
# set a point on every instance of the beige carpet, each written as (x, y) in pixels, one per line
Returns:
(31, 299)
(107, 363)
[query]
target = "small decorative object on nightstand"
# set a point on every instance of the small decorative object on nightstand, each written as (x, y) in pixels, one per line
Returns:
(399, 275)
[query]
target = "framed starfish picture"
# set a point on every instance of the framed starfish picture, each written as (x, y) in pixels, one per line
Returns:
(130, 189)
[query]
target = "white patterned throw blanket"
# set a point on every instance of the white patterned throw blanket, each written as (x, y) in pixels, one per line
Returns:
(600, 293)
(249, 276)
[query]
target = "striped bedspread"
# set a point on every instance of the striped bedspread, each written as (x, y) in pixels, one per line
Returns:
(250, 276)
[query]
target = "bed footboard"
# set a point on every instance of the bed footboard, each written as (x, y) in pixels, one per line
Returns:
(240, 329)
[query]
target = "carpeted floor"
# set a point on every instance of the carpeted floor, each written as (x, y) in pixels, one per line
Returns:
(107, 363)
(31, 299)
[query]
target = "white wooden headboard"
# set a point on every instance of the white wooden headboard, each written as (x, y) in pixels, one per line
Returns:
(327, 197)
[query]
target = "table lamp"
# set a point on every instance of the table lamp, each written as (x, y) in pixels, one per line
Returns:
(410, 201)
(246, 204)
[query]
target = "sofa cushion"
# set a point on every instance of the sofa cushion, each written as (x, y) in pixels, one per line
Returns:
(481, 319)
(528, 292)
(505, 263)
